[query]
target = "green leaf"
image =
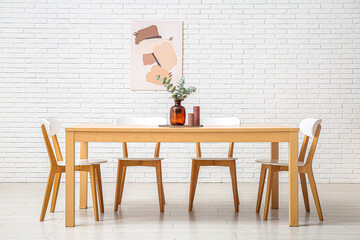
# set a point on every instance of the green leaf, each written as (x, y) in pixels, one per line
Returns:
(169, 86)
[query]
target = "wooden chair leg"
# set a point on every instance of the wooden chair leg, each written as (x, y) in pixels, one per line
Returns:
(163, 194)
(304, 191)
(237, 190)
(268, 192)
(232, 167)
(315, 194)
(237, 194)
(47, 194)
(274, 201)
(117, 188)
(55, 191)
(160, 185)
(122, 183)
(261, 187)
(194, 177)
(99, 188)
(93, 191)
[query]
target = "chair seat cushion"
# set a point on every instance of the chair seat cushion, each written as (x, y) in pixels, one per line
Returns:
(139, 159)
(84, 162)
(276, 162)
(212, 159)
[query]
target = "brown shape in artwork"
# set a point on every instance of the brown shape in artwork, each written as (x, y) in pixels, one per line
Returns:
(165, 55)
(146, 33)
(148, 59)
(156, 71)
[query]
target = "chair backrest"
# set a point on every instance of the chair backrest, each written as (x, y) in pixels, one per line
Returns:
(149, 121)
(51, 127)
(141, 121)
(219, 121)
(311, 128)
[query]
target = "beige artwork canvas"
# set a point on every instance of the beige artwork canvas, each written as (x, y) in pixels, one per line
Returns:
(156, 49)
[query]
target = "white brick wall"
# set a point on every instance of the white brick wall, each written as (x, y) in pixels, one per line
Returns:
(263, 61)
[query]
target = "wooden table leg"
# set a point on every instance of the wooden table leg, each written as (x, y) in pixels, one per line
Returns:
(70, 181)
(83, 177)
(293, 181)
(275, 183)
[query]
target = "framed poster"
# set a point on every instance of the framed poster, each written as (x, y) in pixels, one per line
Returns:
(156, 49)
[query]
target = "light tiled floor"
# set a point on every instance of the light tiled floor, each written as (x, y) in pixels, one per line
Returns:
(213, 216)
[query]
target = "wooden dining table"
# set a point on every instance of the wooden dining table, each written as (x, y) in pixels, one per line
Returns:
(85, 133)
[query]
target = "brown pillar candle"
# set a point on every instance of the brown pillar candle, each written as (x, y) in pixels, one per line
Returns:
(191, 119)
(196, 110)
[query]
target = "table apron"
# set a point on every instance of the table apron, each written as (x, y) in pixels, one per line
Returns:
(107, 136)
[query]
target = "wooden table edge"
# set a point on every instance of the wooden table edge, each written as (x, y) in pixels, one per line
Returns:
(251, 128)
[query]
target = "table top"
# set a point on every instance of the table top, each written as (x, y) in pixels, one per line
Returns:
(206, 128)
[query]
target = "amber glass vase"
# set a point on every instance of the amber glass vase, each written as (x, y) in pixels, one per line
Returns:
(177, 114)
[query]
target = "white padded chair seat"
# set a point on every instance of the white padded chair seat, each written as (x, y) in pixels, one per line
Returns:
(84, 162)
(140, 159)
(276, 162)
(204, 158)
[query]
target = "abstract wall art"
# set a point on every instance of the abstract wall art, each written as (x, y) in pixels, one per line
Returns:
(156, 49)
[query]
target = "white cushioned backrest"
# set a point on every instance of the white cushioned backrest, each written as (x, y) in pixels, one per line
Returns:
(52, 126)
(141, 121)
(308, 126)
(220, 121)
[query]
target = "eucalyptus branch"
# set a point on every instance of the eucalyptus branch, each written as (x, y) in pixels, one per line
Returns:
(178, 91)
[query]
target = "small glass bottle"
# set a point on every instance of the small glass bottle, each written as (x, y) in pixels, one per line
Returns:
(177, 114)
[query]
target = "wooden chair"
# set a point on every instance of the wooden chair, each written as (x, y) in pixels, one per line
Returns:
(125, 161)
(310, 128)
(230, 161)
(57, 167)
